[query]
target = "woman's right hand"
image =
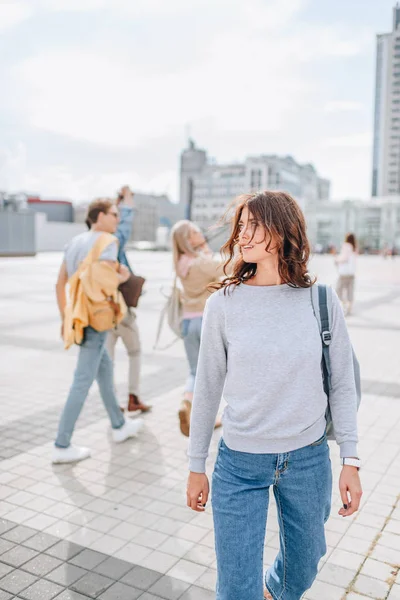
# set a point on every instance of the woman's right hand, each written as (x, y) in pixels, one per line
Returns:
(197, 491)
(123, 273)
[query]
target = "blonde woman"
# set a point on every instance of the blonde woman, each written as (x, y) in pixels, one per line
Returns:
(195, 268)
(346, 264)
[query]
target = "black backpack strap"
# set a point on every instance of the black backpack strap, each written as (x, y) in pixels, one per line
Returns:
(326, 335)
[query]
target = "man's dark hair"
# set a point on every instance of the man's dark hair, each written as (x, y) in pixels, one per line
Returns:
(101, 205)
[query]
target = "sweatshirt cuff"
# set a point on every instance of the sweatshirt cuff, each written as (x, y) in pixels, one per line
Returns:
(197, 465)
(348, 450)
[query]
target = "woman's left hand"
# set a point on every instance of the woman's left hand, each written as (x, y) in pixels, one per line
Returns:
(350, 490)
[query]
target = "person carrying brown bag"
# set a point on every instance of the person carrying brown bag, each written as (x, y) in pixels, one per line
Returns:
(128, 329)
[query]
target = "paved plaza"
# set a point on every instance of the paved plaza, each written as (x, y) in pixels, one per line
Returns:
(116, 526)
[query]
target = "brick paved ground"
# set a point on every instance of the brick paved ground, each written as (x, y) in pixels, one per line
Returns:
(115, 526)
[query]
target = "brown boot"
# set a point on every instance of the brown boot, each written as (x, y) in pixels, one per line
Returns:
(184, 417)
(135, 404)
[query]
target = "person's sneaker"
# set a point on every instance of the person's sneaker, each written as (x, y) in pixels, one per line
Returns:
(129, 429)
(70, 454)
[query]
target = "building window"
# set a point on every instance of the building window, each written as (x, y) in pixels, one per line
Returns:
(255, 179)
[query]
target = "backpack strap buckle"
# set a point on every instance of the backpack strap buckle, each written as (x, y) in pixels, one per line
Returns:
(326, 337)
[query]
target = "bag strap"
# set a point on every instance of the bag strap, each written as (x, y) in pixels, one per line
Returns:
(324, 328)
(103, 241)
(161, 320)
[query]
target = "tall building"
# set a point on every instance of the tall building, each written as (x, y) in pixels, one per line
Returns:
(386, 153)
(207, 189)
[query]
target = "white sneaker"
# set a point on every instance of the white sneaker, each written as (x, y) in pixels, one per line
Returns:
(128, 430)
(70, 454)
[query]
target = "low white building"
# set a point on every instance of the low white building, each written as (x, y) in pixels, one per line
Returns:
(375, 221)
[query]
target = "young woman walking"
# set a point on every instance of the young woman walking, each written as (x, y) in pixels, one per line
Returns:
(196, 268)
(346, 264)
(261, 348)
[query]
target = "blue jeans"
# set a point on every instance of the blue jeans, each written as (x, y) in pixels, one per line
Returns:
(94, 362)
(302, 485)
(191, 332)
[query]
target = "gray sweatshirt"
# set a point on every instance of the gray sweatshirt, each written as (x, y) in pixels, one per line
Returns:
(261, 351)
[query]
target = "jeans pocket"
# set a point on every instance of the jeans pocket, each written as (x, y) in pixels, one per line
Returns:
(320, 441)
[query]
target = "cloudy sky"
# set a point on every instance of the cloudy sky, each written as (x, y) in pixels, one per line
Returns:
(98, 93)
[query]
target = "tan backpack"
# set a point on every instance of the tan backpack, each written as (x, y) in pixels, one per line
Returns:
(94, 299)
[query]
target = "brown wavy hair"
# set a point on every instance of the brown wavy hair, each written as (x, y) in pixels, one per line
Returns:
(284, 225)
(351, 239)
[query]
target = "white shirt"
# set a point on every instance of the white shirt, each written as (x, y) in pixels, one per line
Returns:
(347, 260)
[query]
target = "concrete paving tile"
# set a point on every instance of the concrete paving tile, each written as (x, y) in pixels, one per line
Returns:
(326, 591)
(92, 585)
(5, 526)
(65, 550)
(5, 546)
(41, 590)
(42, 564)
(18, 555)
(66, 574)
(88, 559)
(5, 569)
(71, 595)
(394, 593)
(112, 567)
(383, 554)
(378, 570)
(141, 577)
(187, 571)
(169, 588)
(120, 591)
(371, 587)
(19, 534)
(336, 575)
(197, 593)
(41, 542)
(16, 581)
(159, 561)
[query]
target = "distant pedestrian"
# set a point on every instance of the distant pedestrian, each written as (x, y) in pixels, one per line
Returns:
(93, 257)
(128, 329)
(261, 350)
(195, 267)
(346, 263)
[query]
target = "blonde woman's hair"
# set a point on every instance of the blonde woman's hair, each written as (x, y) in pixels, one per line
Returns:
(180, 241)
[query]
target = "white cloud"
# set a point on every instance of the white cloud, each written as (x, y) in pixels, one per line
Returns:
(13, 13)
(252, 73)
(57, 181)
(342, 106)
(130, 8)
(249, 78)
(355, 140)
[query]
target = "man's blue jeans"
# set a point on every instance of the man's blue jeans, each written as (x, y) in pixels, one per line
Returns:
(94, 362)
(302, 485)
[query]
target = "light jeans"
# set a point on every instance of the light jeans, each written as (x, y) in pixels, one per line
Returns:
(93, 363)
(191, 332)
(302, 485)
(128, 331)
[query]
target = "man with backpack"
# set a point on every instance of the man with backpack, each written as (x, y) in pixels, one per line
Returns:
(90, 267)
